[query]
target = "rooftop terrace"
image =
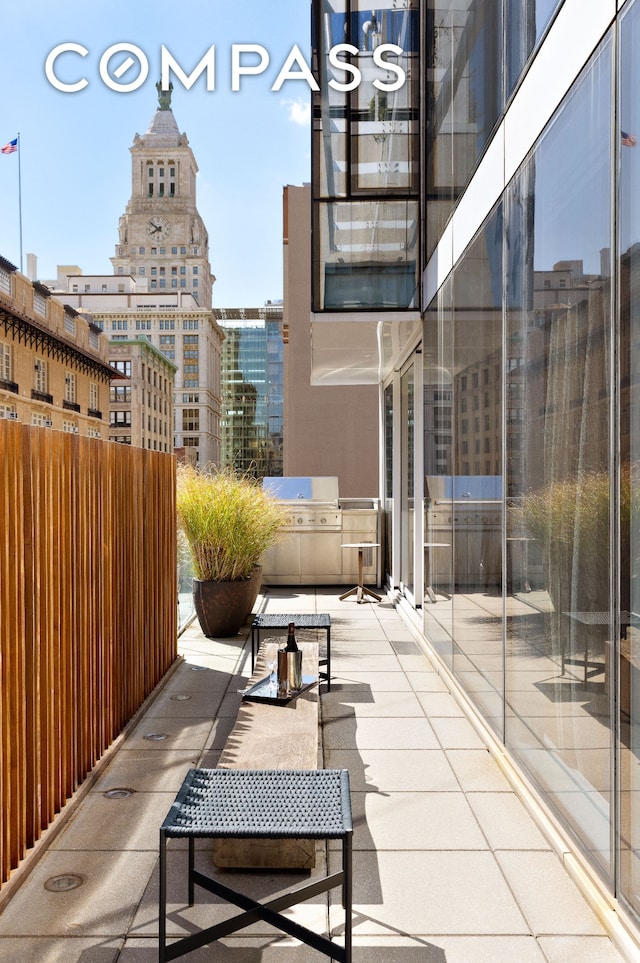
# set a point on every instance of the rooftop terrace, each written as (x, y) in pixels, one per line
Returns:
(449, 866)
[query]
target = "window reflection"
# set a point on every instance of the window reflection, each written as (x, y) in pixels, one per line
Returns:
(525, 22)
(463, 484)
(557, 398)
(629, 275)
(464, 97)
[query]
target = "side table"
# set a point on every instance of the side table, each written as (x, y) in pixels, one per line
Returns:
(281, 620)
(360, 590)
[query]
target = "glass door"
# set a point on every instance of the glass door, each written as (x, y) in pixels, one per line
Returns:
(407, 512)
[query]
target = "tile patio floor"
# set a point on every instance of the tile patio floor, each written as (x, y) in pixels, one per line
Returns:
(448, 865)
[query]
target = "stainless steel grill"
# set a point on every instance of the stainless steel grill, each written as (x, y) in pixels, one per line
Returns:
(317, 525)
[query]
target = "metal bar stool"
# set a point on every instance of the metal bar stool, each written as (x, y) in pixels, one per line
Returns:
(260, 804)
(319, 620)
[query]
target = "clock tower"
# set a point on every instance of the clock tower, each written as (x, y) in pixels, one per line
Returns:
(162, 241)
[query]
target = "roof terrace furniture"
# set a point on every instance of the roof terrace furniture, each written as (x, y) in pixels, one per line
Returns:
(279, 620)
(361, 591)
(260, 804)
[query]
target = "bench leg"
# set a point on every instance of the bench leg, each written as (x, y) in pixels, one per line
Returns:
(347, 895)
(162, 900)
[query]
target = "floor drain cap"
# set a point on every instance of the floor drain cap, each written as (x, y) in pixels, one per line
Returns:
(119, 793)
(156, 736)
(198, 668)
(180, 698)
(62, 884)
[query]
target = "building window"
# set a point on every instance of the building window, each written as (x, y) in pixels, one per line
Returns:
(39, 304)
(94, 396)
(124, 367)
(5, 281)
(43, 421)
(41, 379)
(70, 387)
(69, 323)
(5, 361)
(120, 418)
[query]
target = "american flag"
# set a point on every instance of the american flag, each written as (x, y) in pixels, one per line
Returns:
(628, 140)
(10, 147)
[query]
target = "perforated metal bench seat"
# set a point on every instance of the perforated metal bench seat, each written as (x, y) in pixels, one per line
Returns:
(260, 804)
(279, 620)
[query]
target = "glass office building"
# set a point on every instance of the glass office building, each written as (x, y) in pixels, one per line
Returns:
(252, 389)
(508, 373)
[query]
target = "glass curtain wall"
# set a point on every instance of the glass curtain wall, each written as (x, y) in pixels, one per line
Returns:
(366, 147)
(558, 435)
(472, 68)
(628, 139)
(463, 507)
(438, 430)
(524, 333)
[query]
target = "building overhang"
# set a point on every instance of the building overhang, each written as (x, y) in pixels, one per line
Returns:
(38, 336)
(359, 348)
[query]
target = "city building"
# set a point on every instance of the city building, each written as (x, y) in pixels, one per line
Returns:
(475, 256)
(251, 423)
(329, 428)
(161, 287)
(54, 363)
(141, 405)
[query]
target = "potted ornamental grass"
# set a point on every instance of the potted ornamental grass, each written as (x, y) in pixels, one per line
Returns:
(228, 521)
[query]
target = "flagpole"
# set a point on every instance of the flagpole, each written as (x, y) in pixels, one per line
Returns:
(20, 199)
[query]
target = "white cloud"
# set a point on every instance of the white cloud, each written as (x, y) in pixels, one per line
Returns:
(299, 111)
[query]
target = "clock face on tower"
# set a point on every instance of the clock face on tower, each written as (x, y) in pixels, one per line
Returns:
(158, 228)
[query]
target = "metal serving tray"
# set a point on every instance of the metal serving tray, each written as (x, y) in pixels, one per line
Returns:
(262, 691)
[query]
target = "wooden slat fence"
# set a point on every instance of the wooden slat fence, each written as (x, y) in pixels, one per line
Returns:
(88, 612)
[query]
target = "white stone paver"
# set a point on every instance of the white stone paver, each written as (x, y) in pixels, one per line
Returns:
(449, 866)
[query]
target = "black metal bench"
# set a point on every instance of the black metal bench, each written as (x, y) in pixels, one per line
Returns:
(260, 804)
(279, 620)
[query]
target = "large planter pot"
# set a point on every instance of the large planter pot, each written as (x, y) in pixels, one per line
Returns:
(223, 607)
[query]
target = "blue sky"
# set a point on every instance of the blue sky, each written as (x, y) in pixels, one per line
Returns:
(75, 162)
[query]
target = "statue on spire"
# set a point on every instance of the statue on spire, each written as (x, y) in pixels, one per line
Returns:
(164, 96)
